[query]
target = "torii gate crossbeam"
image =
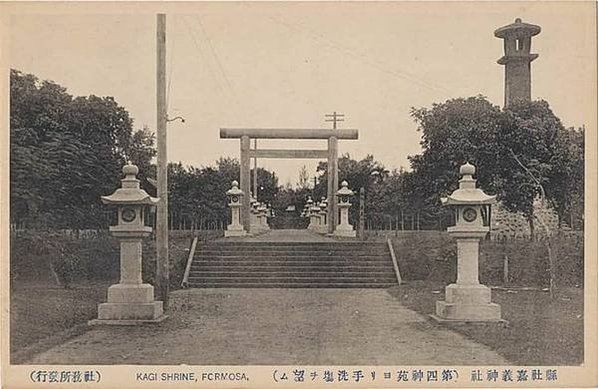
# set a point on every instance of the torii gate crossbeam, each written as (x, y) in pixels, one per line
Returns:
(331, 154)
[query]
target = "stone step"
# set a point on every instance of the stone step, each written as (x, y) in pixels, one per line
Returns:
(292, 267)
(310, 244)
(298, 257)
(291, 264)
(305, 285)
(235, 273)
(296, 251)
(287, 280)
(293, 248)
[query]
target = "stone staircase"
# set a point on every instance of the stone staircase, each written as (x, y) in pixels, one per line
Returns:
(292, 265)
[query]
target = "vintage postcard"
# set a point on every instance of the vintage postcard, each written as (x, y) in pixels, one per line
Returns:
(299, 194)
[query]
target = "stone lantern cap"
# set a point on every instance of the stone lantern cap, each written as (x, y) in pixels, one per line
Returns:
(517, 29)
(234, 191)
(130, 192)
(309, 201)
(468, 194)
(344, 190)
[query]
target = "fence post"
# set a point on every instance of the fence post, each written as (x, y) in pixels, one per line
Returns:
(505, 270)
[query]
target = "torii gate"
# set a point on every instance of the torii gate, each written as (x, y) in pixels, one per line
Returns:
(331, 154)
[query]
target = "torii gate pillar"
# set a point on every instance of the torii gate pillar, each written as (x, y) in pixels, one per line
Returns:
(332, 183)
(331, 154)
(244, 179)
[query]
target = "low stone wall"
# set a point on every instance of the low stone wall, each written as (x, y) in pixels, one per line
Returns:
(509, 225)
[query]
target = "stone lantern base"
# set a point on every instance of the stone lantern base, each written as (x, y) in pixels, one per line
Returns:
(234, 231)
(130, 304)
(467, 303)
(345, 232)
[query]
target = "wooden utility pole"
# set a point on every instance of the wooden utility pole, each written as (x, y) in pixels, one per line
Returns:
(162, 284)
(334, 118)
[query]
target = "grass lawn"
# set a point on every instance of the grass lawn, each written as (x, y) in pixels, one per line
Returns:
(540, 331)
(43, 315)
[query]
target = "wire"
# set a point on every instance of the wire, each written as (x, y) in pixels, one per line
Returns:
(215, 54)
(200, 52)
(320, 38)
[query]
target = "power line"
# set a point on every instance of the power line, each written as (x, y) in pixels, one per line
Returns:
(201, 54)
(320, 38)
(217, 59)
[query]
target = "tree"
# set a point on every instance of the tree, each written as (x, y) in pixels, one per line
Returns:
(303, 182)
(518, 152)
(141, 152)
(358, 174)
(65, 153)
(536, 158)
(454, 132)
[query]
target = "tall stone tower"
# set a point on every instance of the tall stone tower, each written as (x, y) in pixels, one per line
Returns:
(517, 59)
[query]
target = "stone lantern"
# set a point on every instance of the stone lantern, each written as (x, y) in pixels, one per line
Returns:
(263, 216)
(254, 220)
(130, 301)
(314, 217)
(323, 228)
(344, 195)
(308, 204)
(467, 299)
(235, 196)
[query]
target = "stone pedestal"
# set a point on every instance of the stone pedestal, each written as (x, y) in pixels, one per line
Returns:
(322, 228)
(263, 217)
(128, 304)
(467, 303)
(314, 221)
(467, 300)
(235, 228)
(130, 301)
(344, 229)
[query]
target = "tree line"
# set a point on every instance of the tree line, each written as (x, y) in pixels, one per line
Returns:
(67, 151)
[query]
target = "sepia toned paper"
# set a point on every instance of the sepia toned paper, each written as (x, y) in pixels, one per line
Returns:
(283, 65)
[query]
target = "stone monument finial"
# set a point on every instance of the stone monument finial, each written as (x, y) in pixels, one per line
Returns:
(467, 169)
(130, 170)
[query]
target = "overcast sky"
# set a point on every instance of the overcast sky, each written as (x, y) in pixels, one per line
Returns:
(286, 65)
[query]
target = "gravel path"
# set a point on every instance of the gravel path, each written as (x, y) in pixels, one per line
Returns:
(277, 327)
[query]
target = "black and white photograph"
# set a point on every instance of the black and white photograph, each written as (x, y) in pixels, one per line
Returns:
(299, 194)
